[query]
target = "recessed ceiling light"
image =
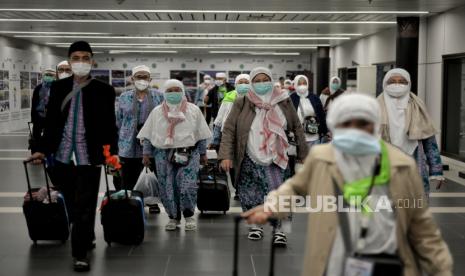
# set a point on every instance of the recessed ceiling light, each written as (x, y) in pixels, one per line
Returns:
(52, 33)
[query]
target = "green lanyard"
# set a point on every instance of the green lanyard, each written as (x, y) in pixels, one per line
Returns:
(355, 192)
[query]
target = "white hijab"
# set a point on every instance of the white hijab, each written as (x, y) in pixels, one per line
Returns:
(396, 107)
(188, 132)
(305, 107)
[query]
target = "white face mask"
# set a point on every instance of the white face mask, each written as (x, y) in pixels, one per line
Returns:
(301, 89)
(64, 75)
(207, 81)
(397, 90)
(141, 85)
(81, 69)
(219, 82)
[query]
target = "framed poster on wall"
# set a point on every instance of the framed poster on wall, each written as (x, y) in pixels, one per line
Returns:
(25, 87)
(101, 74)
(4, 95)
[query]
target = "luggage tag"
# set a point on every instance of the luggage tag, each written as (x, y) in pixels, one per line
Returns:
(357, 267)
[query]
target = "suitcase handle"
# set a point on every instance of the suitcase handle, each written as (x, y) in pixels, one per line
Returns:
(237, 220)
(108, 185)
(29, 188)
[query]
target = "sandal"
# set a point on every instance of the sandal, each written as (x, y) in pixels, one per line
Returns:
(255, 234)
(279, 239)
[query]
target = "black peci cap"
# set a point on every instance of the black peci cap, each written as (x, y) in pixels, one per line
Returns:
(80, 46)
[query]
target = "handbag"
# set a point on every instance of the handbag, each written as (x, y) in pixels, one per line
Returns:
(180, 156)
(381, 264)
(311, 125)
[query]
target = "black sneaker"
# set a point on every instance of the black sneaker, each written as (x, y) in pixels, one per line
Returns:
(236, 197)
(81, 265)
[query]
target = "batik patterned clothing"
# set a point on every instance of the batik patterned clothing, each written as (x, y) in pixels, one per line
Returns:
(44, 94)
(74, 134)
(127, 121)
(428, 160)
(256, 181)
(178, 185)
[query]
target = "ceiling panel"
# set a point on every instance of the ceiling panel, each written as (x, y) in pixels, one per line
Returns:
(178, 18)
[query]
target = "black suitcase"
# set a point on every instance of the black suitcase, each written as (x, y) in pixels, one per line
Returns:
(123, 220)
(213, 192)
(45, 221)
(237, 221)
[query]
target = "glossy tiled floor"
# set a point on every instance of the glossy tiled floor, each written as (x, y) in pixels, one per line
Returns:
(208, 251)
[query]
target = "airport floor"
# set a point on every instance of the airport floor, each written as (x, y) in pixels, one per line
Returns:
(208, 251)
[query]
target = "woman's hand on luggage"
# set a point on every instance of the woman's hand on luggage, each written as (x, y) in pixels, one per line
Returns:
(257, 215)
(203, 159)
(36, 158)
(226, 165)
(146, 160)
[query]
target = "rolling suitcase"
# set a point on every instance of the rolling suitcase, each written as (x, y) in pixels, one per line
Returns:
(213, 192)
(237, 221)
(123, 218)
(45, 220)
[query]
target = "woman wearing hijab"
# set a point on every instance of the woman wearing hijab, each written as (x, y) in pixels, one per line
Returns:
(255, 142)
(355, 165)
(329, 95)
(242, 84)
(178, 133)
(310, 111)
(405, 123)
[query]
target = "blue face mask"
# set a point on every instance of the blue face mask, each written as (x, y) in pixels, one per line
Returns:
(174, 97)
(263, 88)
(243, 88)
(355, 142)
(335, 86)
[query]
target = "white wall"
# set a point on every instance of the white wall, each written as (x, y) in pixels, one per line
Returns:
(442, 34)
(18, 56)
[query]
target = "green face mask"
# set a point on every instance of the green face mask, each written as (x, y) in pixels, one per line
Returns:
(174, 97)
(48, 79)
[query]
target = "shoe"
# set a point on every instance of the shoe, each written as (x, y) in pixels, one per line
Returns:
(191, 224)
(81, 265)
(154, 209)
(172, 225)
(280, 239)
(255, 233)
(236, 197)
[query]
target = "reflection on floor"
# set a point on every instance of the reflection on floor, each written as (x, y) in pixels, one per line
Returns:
(208, 251)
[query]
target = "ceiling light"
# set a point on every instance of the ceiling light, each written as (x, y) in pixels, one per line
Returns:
(141, 51)
(219, 11)
(190, 21)
(186, 38)
(256, 53)
(55, 33)
(93, 44)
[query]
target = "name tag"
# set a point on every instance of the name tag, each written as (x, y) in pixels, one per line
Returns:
(357, 267)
